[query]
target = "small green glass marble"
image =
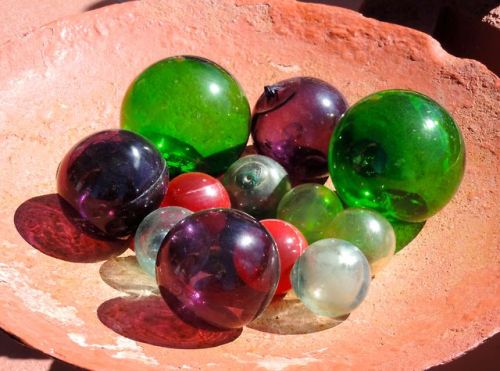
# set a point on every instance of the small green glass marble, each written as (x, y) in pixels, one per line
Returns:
(193, 110)
(370, 232)
(398, 152)
(331, 277)
(311, 208)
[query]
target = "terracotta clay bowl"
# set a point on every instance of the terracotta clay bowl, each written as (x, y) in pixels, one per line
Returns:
(436, 299)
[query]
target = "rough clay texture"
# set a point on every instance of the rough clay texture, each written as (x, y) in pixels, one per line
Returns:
(20, 17)
(436, 299)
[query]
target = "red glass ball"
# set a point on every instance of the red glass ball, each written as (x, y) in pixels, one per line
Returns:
(196, 192)
(291, 244)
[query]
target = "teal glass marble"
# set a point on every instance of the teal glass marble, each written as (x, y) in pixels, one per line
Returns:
(193, 110)
(331, 277)
(256, 184)
(370, 232)
(311, 208)
(151, 232)
(398, 152)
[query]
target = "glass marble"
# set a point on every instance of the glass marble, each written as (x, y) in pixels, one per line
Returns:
(291, 243)
(112, 179)
(331, 278)
(311, 208)
(370, 232)
(193, 110)
(256, 184)
(152, 231)
(196, 191)
(292, 123)
(398, 152)
(220, 266)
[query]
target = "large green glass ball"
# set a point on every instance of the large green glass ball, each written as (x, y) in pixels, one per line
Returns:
(398, 152)
(193, 110)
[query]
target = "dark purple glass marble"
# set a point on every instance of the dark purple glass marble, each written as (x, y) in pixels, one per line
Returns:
(292, 123)
(220, 266)
(112, 180)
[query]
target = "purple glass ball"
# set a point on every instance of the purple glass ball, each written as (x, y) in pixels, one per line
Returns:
(111, 180)
(218, 266)
(292, 123)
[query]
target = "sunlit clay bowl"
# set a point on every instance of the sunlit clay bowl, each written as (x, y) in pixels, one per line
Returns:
(436, 299)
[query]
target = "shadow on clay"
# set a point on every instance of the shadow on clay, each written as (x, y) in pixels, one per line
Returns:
(46, 223)
(287, 315)
(104, 3)
(14, 348)
(144, 315)
(125, 274)
(349, 4)
(148, 319)
(405, 232)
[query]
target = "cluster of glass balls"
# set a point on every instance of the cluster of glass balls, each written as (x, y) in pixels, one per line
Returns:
(224, 234)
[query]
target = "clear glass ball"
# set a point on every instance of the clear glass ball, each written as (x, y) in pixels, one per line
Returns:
(152, 231)
(369, 231)
(331, 278)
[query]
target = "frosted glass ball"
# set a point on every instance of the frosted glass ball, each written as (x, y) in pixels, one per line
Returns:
(331, 278)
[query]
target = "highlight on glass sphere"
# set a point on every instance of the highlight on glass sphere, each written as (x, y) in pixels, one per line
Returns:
(219, 266)
(193, 110)
(256, 184)
(311, 208)
(152, 231)
(331, 277)
(291, 243)
(292, 123)
(397, 152)
(196, 192)
(112, 179)
(370, 232)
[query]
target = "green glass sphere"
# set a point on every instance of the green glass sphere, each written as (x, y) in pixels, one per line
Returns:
(311, 208)
(398, 152)
(193, 110)
(368, 231)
